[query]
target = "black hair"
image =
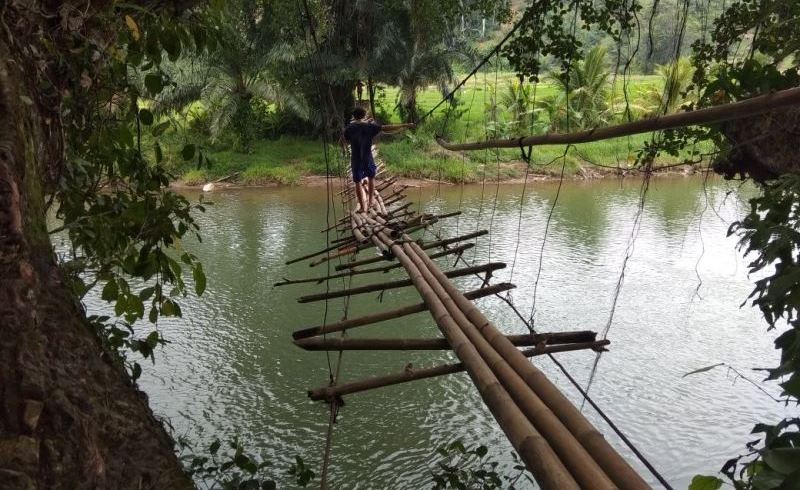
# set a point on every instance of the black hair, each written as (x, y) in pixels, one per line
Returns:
(359, 113)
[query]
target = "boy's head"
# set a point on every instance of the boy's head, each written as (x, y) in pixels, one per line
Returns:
(359, 113)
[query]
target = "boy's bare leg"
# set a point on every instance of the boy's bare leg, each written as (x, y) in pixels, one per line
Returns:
(371, 192)
(360, 194)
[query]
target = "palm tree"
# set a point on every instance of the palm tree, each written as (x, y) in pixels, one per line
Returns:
(582, 102)
(233, 78)
(518, 100)
(676, 77)
(422, 67)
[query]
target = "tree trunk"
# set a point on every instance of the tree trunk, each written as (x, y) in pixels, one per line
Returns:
(341, 95)
(371, 92)
(70, 417)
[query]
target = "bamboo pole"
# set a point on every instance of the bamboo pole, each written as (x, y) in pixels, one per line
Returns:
(537, 453)
(383, 185)
(393, 212)
(426, 246)
(320, 343)
(353, 272)
(391, 200)
(576, 424)
(450, 241)
(314, 254)
(577, 454)
(349, 197)
(370, 288)
(330, 392)
(574, 456)
(392, 314)
(708, 116)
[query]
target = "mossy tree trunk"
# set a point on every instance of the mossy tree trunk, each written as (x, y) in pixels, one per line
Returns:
(70, 417)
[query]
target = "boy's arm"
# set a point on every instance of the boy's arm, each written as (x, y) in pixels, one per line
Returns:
(397, 127)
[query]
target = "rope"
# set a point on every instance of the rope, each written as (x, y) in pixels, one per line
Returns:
(333, 376)
(485, 60)
(639, 455)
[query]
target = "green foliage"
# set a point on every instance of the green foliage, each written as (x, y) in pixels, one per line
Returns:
(700, 482)
(236, 81)
(582, 102)
(232, 468)
(262, 174)
(771, 232)
(752, 49)
(111, 194)
(518, 101)
(547, 29)
(461, 467)
(668, 98)
(302, 474)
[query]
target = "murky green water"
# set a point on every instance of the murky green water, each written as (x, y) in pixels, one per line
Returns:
(231, 367)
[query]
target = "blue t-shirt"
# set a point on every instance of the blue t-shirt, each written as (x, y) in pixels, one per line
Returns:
(360, 136)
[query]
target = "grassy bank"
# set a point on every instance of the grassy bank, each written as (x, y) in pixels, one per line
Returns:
(281, 161)
(416, 155)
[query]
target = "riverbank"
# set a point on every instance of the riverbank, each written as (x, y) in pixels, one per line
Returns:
(510, 174)
(418, 162)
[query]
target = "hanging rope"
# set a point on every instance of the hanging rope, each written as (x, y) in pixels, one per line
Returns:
(327, 119)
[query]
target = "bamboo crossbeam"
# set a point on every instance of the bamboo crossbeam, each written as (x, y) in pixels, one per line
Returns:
(383, 185)
(370, 288)
(377, 189)
(330, 392)
(450, 251)
(426, 246)
(558, 445)
(328, 343)
(394, 212)
(708, 116)
(392, 314)
(314, 254)
(450, 241)
(353, 272)
(393, 199)
(418, 227)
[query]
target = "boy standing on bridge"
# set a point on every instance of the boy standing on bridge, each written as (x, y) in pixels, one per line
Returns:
(360, 133)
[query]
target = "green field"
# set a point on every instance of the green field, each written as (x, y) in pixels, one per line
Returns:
(416, 155)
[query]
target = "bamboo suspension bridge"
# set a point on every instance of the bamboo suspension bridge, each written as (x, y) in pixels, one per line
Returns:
(560, 447)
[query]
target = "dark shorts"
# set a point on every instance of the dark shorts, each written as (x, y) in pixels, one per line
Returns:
(361, 172)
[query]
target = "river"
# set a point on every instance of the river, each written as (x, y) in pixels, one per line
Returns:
(231, 368)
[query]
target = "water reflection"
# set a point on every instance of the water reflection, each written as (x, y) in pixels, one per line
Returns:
(231, 367)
